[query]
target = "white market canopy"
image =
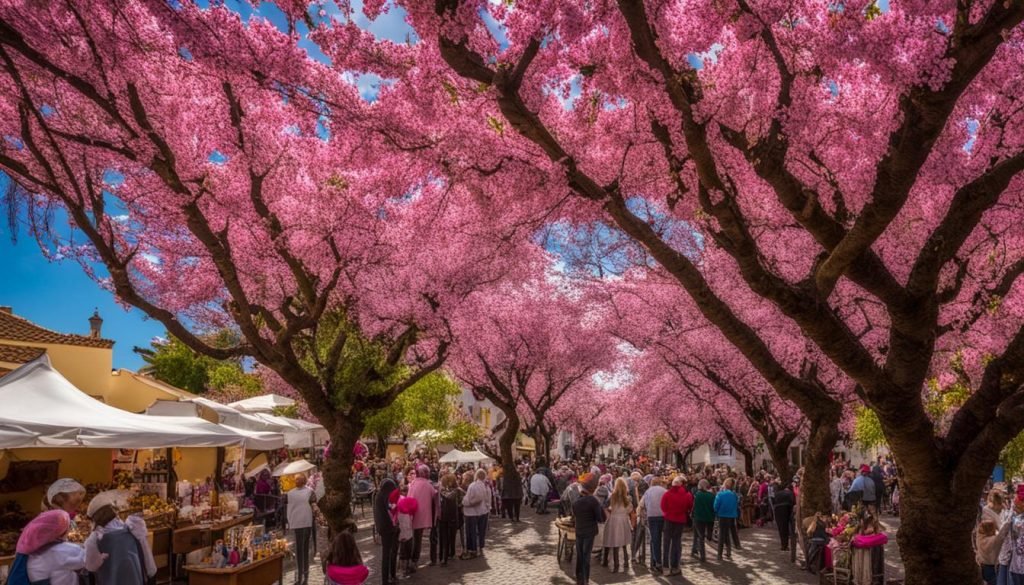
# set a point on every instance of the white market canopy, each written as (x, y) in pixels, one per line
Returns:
(41, 408)
(456, 456)
(257, 439)
(266, 403)
(297, 434)
(452, 456)
(474, 456)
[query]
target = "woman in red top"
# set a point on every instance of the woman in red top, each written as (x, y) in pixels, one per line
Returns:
(344, 564)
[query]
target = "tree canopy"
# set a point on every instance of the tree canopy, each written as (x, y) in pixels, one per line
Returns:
(829, 192)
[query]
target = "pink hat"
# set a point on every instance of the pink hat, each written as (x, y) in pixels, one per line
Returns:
(865, 469)
(45, 528)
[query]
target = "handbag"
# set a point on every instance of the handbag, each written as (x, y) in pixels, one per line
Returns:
(632, 519)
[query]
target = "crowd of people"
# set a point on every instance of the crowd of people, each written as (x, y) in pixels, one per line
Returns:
(632, 511)
(999, 535)
(627, 511)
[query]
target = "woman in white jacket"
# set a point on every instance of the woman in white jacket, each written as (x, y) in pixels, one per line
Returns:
(476, 504)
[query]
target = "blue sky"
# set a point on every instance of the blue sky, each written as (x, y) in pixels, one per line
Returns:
(60, 296)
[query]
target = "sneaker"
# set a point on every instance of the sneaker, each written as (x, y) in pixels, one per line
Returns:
(674, 572)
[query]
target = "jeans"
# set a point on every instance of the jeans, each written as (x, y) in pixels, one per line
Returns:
(302, 541)
(1003, 575)
(672, 543)
(584, 548)
(988, 574)
(482, 531)
(656, 525)
(725, 528)
(475, 528)
(640, 540)
(702, 532)
(389, 558)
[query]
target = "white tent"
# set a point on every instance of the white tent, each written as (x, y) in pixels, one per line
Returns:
(265, 403)
(474, 456)
(263, 439)
(41, 408)
(456, 456)
(300, 434)
(452, 456)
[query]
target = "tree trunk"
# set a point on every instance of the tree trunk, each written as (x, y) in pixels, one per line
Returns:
(935, 533)
(938, 508)
(779, 454)
(506, 444)
(336, 505)
(549, 440)
(382, 446)
(815, 489)
(748, 458)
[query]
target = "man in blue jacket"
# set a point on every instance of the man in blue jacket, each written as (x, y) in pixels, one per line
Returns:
(727, 508)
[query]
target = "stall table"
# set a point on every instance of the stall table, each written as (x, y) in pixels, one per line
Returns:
(262, 572)
(186, 539)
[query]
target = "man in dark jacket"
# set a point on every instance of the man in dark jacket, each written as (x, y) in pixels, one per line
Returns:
(879, 478)
(511, 496)
(388, 532)
(589, 514)
(784, 502)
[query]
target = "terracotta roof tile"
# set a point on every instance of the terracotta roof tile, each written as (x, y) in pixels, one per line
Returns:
(15, 328)
(19, 354)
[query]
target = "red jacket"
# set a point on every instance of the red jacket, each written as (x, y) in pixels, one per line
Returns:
(676, 504)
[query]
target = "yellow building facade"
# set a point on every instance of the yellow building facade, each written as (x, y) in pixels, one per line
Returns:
(87, 362)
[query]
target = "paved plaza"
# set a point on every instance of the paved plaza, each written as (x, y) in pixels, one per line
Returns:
(524, 554)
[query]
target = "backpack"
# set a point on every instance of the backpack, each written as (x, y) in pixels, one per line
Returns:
(19, 572)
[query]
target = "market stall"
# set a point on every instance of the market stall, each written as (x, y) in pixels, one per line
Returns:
(50, 429)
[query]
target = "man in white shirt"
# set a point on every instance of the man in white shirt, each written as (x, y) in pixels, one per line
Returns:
(655, 520)
(300, 520)
(540, 485)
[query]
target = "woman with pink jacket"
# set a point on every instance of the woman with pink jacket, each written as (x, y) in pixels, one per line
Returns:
(425, 495)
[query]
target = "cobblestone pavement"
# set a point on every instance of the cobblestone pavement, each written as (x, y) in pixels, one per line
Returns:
(524, 554)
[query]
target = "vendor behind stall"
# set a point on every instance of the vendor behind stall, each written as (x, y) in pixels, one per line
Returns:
(116, 551)
(65, 494)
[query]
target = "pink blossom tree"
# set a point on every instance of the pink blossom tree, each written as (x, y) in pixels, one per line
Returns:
(216, 177)
(855, 169)
(529, 349)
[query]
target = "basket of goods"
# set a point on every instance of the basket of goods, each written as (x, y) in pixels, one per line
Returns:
(8, 542)
(156, 511)
(12, 520)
